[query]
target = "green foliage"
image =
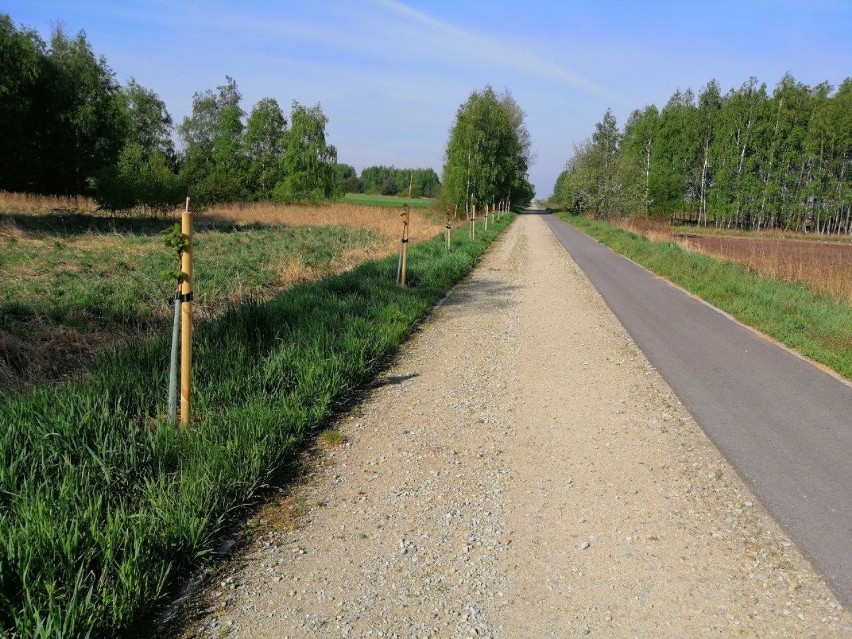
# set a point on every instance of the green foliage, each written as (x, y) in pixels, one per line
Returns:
(177, 243)
(22, 86)
(389, 180)
(307, 163)
(635, 155)
(60, 112)
(149, 122)
(103, 503)
(69, 128)
(346, 179)
(144, 175)
(809, 322)
(264, 142)
(139, 179)
(744, 159)
(598, 178)
(488, 153)
(214, 168)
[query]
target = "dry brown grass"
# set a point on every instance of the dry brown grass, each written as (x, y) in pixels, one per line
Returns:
(383, 220)
(824, 266)
(29, 203)
(655, 230)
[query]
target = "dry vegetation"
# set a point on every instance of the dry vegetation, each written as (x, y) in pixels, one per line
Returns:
(382, 220)
(824, 266)
(55, 251)
(28, 203)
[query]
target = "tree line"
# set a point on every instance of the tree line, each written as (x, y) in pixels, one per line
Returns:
(389, 180)
(488, 153)
(68, 127)
(745, 159)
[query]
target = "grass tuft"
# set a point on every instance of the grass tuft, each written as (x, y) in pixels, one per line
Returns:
(332, 437)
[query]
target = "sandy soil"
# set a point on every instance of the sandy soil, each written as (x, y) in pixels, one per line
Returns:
(522, 471)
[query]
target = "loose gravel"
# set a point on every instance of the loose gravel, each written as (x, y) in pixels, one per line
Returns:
(521, 471)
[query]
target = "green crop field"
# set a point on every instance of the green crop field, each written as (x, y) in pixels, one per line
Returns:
(104, 505)
(810, 322)
(366, 199)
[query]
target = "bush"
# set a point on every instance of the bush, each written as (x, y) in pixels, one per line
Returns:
(138, 180)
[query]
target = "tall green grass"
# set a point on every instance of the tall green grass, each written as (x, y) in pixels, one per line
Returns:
(810, 322)
(103, 504)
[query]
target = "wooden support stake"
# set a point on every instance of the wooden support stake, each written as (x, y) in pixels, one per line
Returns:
(449, 229)
(186, 319)
(487, 211)
(473, 221)
(404, 260)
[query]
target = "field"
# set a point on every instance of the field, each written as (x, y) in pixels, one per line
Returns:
(72, 284)
(104, 505)
(823, 264)
(366, 199)
(805, 319)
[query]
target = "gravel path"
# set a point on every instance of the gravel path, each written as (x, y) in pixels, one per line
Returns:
(522, 471)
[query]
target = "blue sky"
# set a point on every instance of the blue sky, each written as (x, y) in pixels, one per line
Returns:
(390, 75)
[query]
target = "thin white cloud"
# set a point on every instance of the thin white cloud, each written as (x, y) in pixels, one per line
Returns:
(495, 51)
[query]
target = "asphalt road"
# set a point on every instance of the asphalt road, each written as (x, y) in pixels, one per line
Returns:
(784, 424)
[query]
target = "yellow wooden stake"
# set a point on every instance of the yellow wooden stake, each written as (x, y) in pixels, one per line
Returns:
(186, 318)
(473, 221)
(449, 229)
(487, 212)
(405, 219)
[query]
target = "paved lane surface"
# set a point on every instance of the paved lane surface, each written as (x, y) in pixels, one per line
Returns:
(783, 423)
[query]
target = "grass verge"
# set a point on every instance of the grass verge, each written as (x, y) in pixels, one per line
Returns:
(103, 504)
(809, 322)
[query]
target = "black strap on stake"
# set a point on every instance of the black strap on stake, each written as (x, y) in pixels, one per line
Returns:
(405, 241)
(184, 298)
